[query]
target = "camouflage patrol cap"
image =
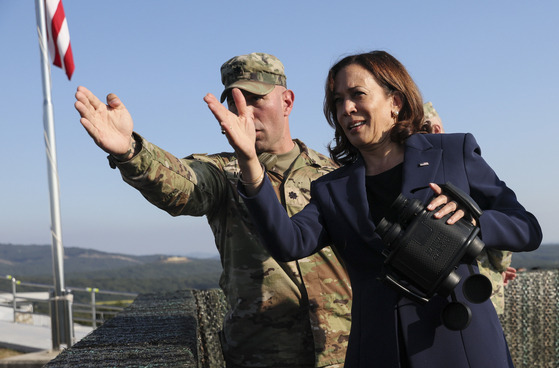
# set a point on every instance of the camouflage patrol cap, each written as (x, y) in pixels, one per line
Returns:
(429, 110)
(256, 73)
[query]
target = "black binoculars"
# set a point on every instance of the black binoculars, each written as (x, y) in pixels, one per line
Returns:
(422, 254)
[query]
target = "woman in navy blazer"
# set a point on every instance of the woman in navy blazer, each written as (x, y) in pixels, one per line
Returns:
(376, 111)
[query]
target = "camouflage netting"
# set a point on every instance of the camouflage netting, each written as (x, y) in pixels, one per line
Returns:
(157, 330)
(531, 319)
(181, 329)
(211, 309)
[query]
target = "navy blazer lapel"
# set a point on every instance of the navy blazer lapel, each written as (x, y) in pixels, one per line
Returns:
(348, 194)
(421, 164)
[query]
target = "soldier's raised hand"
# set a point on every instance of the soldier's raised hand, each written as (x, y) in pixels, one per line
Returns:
(238, 127)
(240, 132)
(110, 125)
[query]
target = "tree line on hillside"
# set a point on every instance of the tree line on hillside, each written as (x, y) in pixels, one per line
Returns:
(148, 274)
(37, 259)
(137, 278)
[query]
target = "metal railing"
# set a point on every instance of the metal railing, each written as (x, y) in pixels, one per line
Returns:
(85, 308)
(99, 311)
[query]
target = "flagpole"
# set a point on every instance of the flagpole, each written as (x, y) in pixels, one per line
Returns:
(60, 313)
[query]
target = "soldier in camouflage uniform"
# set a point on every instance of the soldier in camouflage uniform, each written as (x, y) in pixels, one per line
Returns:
(494, 264)
(294, 314)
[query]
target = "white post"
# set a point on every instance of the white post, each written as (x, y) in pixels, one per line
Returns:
(63, 326)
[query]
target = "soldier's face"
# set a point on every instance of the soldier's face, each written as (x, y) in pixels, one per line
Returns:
(270, 113)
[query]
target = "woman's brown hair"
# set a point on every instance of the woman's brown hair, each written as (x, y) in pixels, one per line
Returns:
(391, 75)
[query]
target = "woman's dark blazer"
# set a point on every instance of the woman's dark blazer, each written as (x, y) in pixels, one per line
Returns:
(339, 213)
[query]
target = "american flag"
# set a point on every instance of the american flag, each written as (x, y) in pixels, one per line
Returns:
(59, 36)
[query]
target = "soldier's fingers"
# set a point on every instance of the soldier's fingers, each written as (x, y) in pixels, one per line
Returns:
(240, 101)
(82, 99)
(90, 128)
(113, 101)
(218, 110)
(80, 107)
(85, 109)
(91, 98)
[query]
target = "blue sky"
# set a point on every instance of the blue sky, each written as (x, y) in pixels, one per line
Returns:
(490, 68)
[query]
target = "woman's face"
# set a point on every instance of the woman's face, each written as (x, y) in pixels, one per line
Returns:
(363, 109)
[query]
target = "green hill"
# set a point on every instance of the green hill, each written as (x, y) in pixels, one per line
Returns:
(546, 257)
(109, 271)
(33, 260)
(154, 273)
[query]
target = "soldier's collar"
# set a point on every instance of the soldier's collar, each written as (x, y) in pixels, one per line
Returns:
(268, 160)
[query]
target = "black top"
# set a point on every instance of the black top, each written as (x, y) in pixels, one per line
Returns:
(382, 191)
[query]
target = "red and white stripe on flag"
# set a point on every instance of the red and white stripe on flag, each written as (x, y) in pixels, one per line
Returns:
(59, 36)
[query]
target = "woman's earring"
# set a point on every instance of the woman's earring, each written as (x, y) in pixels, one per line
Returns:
(395, 114)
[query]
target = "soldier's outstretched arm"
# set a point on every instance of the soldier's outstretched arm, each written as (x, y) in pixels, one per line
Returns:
(110, 125)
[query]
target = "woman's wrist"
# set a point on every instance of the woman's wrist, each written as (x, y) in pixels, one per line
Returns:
(255, 182)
